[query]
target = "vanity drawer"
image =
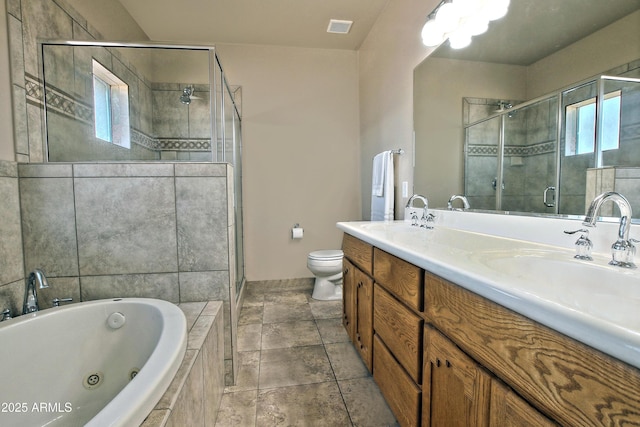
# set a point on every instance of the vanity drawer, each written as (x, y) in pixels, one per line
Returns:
(401, 393)
(402, 279)
(359, 252)
(401, 331)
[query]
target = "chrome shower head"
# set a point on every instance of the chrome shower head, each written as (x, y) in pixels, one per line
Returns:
(187, 92)
(503, 105)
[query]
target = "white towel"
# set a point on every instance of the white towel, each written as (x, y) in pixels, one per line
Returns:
(382, 197)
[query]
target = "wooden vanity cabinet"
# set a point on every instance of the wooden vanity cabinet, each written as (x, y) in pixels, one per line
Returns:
(402, 394)
(445, 356)
(357, 296)
(400, 278)
(570, 382)
(401, 331)
(349, 298)
(456, 390)
(510, 410)
(364, 317)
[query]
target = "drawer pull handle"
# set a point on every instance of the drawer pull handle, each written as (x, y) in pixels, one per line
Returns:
(448, 364)
(438, 363)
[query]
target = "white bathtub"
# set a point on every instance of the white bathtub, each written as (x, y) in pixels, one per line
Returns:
(51, 360)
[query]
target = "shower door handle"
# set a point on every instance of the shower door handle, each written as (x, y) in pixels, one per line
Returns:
(544, 197)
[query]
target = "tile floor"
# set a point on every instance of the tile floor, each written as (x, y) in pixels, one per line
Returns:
(298, 367)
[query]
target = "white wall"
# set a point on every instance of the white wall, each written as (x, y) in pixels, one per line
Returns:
(7, 151)
(301, 151)
(386, 61)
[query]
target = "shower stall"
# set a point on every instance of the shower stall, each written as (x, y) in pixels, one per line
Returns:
(553, 154)
(141, 178)
(124, 102)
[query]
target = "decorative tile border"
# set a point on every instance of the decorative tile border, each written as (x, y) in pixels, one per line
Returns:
(65, 105)
(513, 150)
(172, 144)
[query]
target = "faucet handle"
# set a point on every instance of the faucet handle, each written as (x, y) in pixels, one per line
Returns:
(56, 301)
(6, 315)
(623, 252)
(583, 244)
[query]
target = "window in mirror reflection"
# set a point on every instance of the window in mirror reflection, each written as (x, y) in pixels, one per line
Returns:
(111, 106)
(581, 125)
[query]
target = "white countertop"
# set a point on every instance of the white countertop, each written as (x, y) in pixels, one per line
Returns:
(592, 302)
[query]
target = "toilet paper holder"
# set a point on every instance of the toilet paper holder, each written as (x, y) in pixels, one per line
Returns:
(296, 231)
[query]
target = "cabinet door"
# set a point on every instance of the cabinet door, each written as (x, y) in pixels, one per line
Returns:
(510, 410)
(455, 389)
(349, 298)
(364, 317)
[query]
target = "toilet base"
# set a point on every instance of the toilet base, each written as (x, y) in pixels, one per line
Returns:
(325, 290)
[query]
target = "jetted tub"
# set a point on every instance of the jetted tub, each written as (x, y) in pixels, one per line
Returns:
(97, 363)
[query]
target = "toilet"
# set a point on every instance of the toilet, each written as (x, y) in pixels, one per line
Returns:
(326, 265)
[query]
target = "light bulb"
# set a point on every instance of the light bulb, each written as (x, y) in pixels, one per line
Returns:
(432, 34)
(495, 9)
(459, 39)
(468, 7)
(475, 25)
(448, 17)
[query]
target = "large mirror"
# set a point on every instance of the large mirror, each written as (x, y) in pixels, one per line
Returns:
(130, 102)
(498, 120)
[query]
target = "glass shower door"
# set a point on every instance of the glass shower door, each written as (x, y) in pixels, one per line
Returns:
(577, 146)
(529, 165)
(482, 147)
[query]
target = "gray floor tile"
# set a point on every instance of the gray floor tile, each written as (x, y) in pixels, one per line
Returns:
(297, 366)
(346, 361)
(306, 405)
(290, 334)
(248, 372)
(366, 406)
(278, 313)
(294, 297)
(238, 409)
(251, 314)
(294, 366)
(326, 309)
(249, 337)
(331, 331)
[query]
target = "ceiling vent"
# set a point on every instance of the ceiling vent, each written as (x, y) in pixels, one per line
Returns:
(339, 27)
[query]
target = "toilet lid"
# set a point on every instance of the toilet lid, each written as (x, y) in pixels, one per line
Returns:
(327, 255)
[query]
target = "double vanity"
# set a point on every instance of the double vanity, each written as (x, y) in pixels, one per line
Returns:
(489, 320)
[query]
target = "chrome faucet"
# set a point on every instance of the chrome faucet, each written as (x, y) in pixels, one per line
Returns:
(622, 250)
(455, 197)
(36, 277)
(426, 216)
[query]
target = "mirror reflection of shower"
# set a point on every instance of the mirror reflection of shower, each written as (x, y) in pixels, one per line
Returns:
(187, 94)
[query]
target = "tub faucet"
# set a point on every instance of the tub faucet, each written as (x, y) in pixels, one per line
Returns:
(36, 277)
(622, 250)
(465, 202)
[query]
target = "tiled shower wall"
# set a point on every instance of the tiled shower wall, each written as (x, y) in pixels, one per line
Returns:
(157, 230)
(11, 260)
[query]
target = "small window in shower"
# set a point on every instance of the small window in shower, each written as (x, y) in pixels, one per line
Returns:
(581, 125)
(111, 107)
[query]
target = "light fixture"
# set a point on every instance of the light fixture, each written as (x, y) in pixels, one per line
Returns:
(460, 20)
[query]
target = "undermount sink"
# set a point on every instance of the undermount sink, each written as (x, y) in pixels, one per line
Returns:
(593, 287)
